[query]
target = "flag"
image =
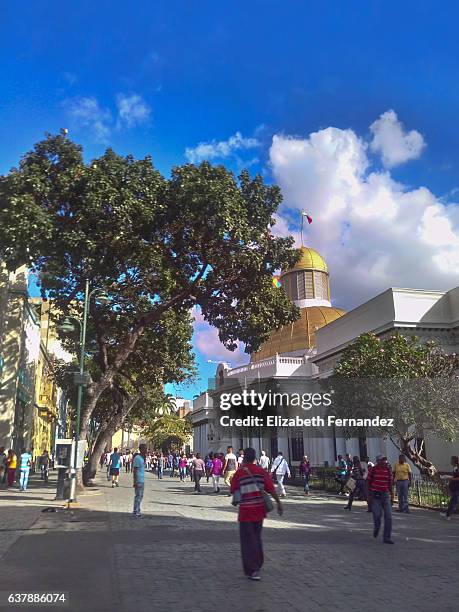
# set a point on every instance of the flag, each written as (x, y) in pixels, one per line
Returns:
(276, 282)
(305, 214)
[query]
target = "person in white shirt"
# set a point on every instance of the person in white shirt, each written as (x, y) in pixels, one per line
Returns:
(107, 463)
(240, 457)
(263, 461)
(280, 468)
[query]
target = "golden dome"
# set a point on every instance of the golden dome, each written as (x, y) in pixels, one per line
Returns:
(298, 335)
(310, 260)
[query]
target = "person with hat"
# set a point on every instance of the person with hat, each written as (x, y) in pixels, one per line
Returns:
(379, 490)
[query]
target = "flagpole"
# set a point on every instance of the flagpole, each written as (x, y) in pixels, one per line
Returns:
(302, 221)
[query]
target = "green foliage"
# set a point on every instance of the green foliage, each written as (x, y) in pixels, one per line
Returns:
(155, 245)
(168, 432)
(413, 382)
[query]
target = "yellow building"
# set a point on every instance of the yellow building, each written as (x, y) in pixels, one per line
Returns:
(48, 395)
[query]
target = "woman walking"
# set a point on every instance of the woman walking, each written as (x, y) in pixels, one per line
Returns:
(305, 471)
(183, 462)
(356, 474)
(251, 480)
(11, 464)
(199, 470)
(216, 471)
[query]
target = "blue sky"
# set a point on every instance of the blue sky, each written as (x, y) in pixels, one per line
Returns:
(162, 77)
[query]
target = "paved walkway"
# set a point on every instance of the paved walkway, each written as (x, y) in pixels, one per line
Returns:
(183, 555)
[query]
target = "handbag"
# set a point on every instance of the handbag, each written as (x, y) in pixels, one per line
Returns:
(350, 484)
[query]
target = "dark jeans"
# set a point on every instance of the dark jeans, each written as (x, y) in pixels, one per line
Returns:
(182, 471)
(452, 502)
(381, 504)
(251, 546)
(197, 478)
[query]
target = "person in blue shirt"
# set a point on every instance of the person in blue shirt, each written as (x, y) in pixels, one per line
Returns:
(138, 469)
(115, 465)
(24, 462)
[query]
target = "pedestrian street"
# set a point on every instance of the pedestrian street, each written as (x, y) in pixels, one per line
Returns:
(183, 554)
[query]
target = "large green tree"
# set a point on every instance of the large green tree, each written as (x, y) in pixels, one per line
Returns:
(201, 237)
(412, 382)
(168, 432)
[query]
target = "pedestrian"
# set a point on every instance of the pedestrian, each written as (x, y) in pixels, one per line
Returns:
(240, 457)
(402, 478)
(379, 489)
(216, 471)
(102, 460)
(199, 469)
(138, 469)
(129, 460)
(279, 470)
(44, 466)
(160, 466)
(12, 464)
(305, 472)
(182, 467)
(209, 463)
(359, 486)
(3, 466)
(25, 462)
(115, 464)
(176, 464)
(264, 462)
(190, 466)
(230, 465)
(366, 466)
(107, 463)
(453, 487)
(341, 474)
(170, 464)
(251, 480)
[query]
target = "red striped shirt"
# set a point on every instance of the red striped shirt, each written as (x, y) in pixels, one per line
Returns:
(252, 508)
(380, 478)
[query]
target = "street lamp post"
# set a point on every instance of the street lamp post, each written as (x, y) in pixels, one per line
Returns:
(81, 380)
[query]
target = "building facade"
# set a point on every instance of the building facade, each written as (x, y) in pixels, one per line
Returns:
(304, 352)
(30, 399)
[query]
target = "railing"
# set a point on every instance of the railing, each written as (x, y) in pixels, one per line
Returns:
(423, 493)
(266, 363)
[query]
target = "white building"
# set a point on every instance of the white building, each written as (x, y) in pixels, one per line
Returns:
(308, 350)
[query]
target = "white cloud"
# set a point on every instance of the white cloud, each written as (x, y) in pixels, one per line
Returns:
(394, 144)
(86, 113)
(221, 149)
(132, 110)
(206, 340)
(373, 231)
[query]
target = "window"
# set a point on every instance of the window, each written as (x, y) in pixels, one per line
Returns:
(297, 446)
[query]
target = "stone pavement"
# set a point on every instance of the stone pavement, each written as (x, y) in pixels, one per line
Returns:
(183, 555)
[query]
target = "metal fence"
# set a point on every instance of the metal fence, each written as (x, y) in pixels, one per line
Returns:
(423, 493)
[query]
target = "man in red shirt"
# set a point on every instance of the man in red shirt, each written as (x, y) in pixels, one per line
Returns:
(379, 492)
(250, 479)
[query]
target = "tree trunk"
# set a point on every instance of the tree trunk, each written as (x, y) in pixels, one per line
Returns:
(425, 466)
(104, 436)
(90, 468)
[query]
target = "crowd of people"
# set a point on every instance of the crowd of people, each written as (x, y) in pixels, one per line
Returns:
(16, 468)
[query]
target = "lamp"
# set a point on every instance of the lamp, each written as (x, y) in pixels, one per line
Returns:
(66, 325)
